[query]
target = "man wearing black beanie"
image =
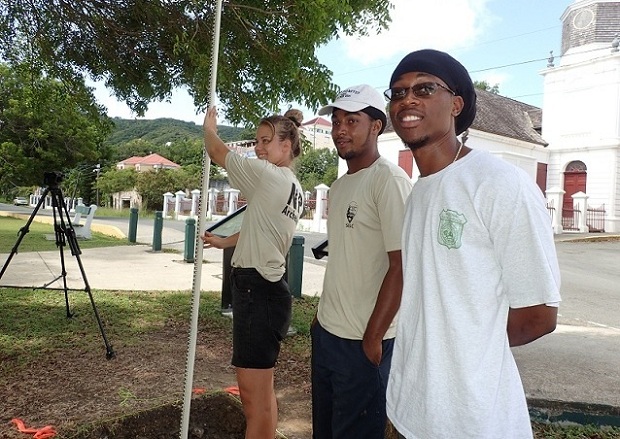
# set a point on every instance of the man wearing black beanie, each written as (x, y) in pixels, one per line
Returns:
(480, 272)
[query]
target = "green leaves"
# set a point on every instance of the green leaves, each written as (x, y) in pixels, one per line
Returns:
(144, 49)
(484, 85)
(46, 125)
(317, 166)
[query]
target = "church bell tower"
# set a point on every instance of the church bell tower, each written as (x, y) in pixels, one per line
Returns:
(589, 24)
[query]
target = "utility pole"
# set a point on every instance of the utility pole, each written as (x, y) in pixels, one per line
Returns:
(97, 170)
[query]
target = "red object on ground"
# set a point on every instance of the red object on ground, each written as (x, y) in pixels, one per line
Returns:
(233, 390)
(38, 433)
(199, 390)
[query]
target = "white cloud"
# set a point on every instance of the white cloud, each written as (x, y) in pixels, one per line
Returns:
(493, 77)
(181, 105)
(417, 24)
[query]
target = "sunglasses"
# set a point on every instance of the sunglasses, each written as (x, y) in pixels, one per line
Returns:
(421, 90)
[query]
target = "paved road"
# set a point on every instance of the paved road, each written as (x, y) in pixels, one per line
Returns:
(590, 283)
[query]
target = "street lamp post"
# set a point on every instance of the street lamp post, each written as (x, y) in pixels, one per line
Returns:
(97, 170)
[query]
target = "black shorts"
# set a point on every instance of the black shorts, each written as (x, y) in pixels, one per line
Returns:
(261, 318)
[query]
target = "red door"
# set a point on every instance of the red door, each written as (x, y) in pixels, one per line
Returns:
(575, 178)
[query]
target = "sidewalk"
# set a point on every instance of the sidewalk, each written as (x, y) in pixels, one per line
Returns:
(571, 375)
(133, 267)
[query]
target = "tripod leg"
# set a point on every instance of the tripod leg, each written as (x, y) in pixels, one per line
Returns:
(69, 234)
(22, 232)
(63, 274)
(59, 230)
(109, 351)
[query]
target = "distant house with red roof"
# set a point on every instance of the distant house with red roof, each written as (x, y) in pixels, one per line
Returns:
(151, 162)
(148, 163)
(318, 131)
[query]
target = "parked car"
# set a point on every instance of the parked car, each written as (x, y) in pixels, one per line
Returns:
(20, 201)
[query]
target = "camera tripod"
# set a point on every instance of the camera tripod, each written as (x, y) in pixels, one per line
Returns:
(64, 235)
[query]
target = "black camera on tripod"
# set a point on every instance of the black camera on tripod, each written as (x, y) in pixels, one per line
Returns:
(52, 179)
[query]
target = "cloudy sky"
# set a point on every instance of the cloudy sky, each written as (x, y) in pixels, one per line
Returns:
(503, 42)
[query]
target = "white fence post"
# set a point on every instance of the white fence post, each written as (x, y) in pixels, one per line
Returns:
(179, 195)
(213, 200)
(581, 199)
(167, 199)
(320, 208)
(233, 197)
(555, 197)
(195, 197)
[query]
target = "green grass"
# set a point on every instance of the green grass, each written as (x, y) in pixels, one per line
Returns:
(34, 324)
(108, 212)
(34, 321)
(37, 237)
(544, 431)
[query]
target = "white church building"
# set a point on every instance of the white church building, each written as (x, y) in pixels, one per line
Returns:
(581, 108)
(571, 147)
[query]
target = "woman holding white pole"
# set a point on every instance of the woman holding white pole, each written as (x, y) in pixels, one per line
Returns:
(261, 297)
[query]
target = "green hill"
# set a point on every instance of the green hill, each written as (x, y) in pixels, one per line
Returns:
(162, 131)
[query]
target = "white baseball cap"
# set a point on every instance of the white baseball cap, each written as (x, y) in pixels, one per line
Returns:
(356, 98)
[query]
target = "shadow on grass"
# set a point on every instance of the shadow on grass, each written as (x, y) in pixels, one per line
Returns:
(35, 321)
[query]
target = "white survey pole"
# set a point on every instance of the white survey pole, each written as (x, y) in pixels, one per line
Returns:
(202, 219)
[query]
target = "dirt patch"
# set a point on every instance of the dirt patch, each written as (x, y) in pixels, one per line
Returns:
(144, 383)
(215, 416)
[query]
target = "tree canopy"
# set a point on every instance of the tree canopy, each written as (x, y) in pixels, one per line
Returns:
(317, 166)
(45, 125)
(144, 49)
(484, 85)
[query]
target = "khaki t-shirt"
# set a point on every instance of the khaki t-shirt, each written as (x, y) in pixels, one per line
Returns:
(366, 211)
(275, 203)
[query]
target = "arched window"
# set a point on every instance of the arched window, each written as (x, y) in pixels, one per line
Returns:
(576, 166)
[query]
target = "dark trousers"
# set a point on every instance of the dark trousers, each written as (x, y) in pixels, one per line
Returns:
(261, 317)
(348, 391)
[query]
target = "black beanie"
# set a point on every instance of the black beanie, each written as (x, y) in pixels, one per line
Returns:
(450, 71)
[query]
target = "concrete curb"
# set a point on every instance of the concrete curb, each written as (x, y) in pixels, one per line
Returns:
(576, 413)
(567, 237)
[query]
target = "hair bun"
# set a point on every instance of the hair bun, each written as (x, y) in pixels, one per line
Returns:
(295, 115)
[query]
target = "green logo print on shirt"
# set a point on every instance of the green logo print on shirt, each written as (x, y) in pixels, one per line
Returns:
(451, 228)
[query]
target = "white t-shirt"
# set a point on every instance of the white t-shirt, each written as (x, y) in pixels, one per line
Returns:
(366, 211)
(477, 241)
(275, 203)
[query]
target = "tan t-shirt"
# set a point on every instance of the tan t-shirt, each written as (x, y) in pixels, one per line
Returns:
(366, 211)
(275, 203)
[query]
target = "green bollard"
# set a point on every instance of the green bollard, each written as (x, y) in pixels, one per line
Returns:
(157, 229)
(190, 232)
(295, 265)
(133, 224)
